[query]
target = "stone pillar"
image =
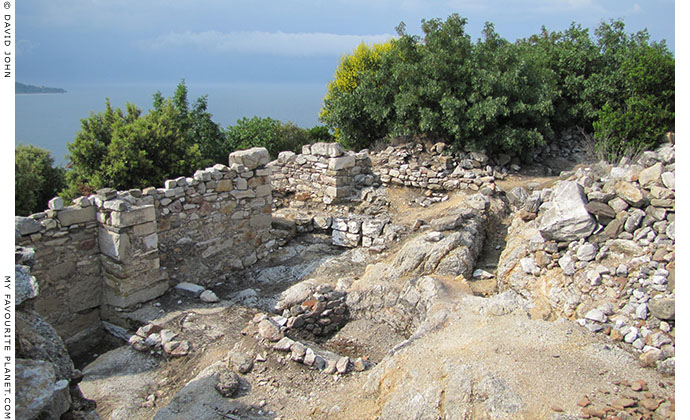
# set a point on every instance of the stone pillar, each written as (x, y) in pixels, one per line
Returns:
(128, 242)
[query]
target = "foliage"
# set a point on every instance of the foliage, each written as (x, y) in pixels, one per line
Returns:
(643, 111)
(503, 96)
(125, 150)
(350, 102)
(36, 179)
(272, 134)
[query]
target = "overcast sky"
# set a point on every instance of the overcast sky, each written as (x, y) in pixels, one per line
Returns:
(65, 42)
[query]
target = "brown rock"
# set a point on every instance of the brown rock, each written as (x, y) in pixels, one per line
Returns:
(649, 404)
(584, 402)
(269, 330)
(624, 402)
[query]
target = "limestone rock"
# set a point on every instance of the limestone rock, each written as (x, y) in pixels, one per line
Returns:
(269, 330)
(25, 226)
(651, 175)
(251, 158)
(241, 362)
(26, 286)
(664, 309)
(567, 219)
(39, 395)
(209, 297)
(630, 193)
(189, 289)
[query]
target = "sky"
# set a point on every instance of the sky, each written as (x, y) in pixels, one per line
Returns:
(67, 42)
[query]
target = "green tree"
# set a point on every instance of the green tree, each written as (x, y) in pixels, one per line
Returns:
(355, 105)
(125, 150)
(36, 179)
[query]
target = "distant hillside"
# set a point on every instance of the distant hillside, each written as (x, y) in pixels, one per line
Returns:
(22, 88)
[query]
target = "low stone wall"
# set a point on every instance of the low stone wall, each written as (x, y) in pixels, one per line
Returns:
(412, 165)
(115, 249)
(322, 172)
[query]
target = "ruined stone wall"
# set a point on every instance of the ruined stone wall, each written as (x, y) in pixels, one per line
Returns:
(413, 165)
(322, 172)
(67, 265)
(115, 249)
(216, 221)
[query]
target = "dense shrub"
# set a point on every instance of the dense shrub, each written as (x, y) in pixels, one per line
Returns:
(36, 179)
(503, 96)
(125, 150)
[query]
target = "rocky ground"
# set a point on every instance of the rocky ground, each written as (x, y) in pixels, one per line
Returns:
(462, 315)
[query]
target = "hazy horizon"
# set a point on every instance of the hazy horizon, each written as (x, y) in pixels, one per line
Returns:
(214, 41)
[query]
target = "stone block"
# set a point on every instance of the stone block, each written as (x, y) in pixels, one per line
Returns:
(263, 190)
(114, 245)
(56, 204)
(337, 192)
(335, 150)
(349, 240)
(25, 226)
(134, 216)
(224, 185)
(189, 289)
(118, 299)
(340, 163)
(73, 215)
(251, 158)
(260, 221)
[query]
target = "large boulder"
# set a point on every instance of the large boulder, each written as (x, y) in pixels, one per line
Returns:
(567, 219)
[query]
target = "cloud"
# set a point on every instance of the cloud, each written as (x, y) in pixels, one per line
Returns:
(268, 43)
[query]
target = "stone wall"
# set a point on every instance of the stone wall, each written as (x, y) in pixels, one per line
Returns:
(67, 265)
(322, 172)
(115, 249)
(413, 165)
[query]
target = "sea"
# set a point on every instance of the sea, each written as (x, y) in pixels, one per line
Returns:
(50, 121)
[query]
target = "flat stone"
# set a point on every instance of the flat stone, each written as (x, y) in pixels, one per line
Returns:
(598, 208)
(74, 215)
(26, 226)
(586, 252)
(340, 163)
(189, 289)
(134, 216)
(283, 344)
(342, 365)
(596, 315)
(669, 180)
(651, 176)
(567, 264)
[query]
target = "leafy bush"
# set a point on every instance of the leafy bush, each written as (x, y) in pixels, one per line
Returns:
(125, 150)
(36, 179)
(272, 134)
(503, 96)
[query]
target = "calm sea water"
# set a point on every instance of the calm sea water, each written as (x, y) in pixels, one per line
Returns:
(50, 121)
